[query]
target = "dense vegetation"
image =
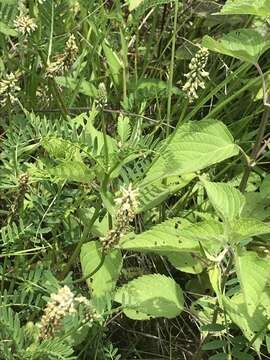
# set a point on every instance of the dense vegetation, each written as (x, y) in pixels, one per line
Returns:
(135, 194)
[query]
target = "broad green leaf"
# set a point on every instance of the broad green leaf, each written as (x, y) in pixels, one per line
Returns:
(254, 274)
(9, 2)
(242, 355)
(257, 206)
(136, 314)
(114, 63)
(133, 4)
(72, 171)
(204, 309)
(209, 233)
(152, 88)
(81, 85)
(100, 226)
(248, 7)
(169, 237)
(227, 201)
(199, 285)
(213, 327)
(162, 238)
(215, 277)
(243, 44)
(6, 30)
(258, 91)
(246, 228)
(213, 345)
(265, 187)
(220, 356)
(250, 325)
(103, 282)
(140, 7)
(152, 295)
(193, 146)
(186, 262)
(265, 302)
(267, 339)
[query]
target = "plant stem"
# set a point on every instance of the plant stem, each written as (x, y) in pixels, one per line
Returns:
(4, 268)
(257, 335)
(256, 148)
(106, 148)
(76, 252)
(125, 64)
(198, 354)
(164, 14)
(260, 135)
(51, 34)
(54, 88)
(169, 104)
(84, 278)
(264, 88)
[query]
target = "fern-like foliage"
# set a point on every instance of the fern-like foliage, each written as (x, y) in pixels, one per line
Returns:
(53, 349)
(11, 333)
(8, 11)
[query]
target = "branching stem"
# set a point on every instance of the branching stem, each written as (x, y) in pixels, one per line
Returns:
(84, 278)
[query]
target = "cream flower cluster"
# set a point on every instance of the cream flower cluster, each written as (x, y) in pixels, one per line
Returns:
(60, 305)
(9, 89)
(127, 205)
(197, 74)
(25, 24)
(72, 48)
(62, 62)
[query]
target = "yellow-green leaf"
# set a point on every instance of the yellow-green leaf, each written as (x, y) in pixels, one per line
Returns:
(243, 44)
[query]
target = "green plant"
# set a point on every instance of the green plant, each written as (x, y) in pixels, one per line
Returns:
(134, 185)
